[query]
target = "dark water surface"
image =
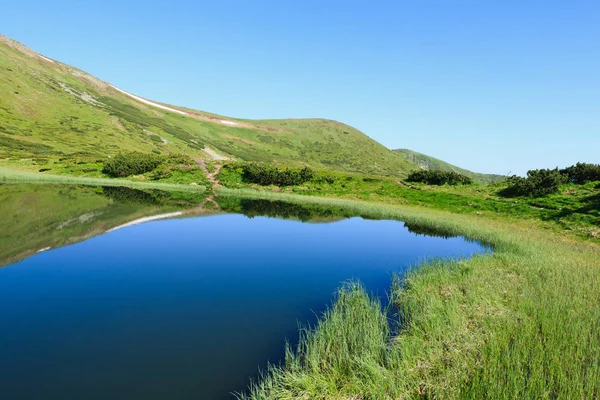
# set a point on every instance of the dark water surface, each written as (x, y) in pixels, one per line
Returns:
(185, 308)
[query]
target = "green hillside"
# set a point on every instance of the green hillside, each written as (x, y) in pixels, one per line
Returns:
(430, 163)
(52, 113)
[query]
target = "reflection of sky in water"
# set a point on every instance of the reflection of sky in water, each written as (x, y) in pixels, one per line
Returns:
(185, 308)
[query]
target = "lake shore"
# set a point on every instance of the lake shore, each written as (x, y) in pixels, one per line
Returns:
(18, 176)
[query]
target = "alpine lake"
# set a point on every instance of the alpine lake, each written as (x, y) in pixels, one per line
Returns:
(117, 293)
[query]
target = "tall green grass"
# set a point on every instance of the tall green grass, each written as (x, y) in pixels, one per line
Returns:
(522, 322)
(15, 176)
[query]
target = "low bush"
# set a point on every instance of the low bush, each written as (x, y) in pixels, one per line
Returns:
(539, 182)
(581, 173)
(134, 163)
(323, 178)
(437, 177)
(180, 159)
(265, 175)
(156, 138)
(542, 182)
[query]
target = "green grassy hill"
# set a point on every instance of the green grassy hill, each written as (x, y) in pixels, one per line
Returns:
(430, 163)
(52, 113)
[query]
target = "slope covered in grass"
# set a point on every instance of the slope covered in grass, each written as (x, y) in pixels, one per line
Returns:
(52, 113)
(424, 161)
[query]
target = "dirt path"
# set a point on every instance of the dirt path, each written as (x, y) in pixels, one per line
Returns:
(212, 178)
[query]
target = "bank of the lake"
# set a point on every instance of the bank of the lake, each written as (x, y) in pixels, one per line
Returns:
(522, 322)
(18, 176)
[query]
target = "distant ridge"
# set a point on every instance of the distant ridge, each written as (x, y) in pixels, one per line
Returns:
(424, 161)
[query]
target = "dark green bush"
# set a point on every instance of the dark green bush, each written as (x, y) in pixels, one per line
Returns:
(323, 178)
(581, 173)
(155, 138)
(133, 163)
(437, 177)
(179, 159)
(539, 182)
(265, 175)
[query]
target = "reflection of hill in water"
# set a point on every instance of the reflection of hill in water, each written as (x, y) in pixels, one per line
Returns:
(279, 209)
(428, 231)
(308, 213)
(39, 217)
(153, 197)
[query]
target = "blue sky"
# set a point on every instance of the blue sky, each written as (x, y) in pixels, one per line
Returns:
(492, 86)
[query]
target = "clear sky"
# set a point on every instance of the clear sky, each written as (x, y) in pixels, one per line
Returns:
(492, 86)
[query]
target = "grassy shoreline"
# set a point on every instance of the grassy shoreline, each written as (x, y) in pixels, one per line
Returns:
(16, 176)
(521, 322)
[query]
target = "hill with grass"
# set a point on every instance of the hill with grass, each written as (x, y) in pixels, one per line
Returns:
(426, 162)
(52, 114)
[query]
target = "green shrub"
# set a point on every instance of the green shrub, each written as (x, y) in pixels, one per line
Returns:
(323, 178)
(581, 173)
(437, 177)
(539, 182)
(133, 163)
(265, 175)
(179, 159)
(155, 138)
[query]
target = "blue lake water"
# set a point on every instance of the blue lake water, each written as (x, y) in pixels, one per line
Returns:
(185, 308)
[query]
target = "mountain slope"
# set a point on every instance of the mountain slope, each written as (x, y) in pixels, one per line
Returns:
(50, 111)
(424, 161)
